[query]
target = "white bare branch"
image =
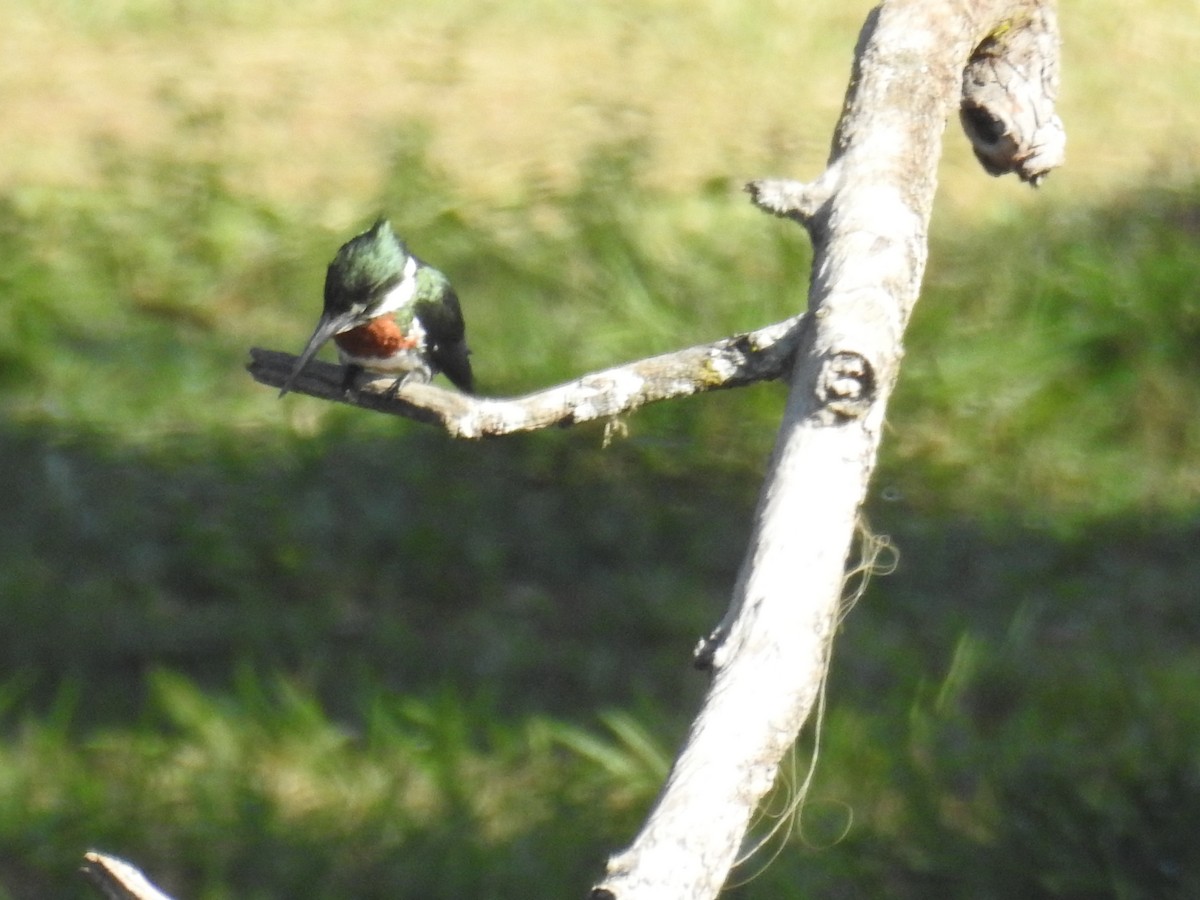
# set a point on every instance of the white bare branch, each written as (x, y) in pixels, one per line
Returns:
(117, 879)
(868, 217)
(730, 362)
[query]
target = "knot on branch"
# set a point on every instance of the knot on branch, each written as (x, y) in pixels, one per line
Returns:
(1009, 88)
(846, 385)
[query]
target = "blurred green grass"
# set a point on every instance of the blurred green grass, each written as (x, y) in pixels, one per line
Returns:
(270, 648)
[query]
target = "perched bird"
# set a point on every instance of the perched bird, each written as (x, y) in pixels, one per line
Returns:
(389, 312)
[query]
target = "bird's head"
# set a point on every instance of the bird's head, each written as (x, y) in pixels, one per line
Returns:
(372, 274)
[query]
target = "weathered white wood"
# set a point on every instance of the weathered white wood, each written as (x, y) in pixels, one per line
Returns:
(117, 879)
(868, 216)
(731, 362)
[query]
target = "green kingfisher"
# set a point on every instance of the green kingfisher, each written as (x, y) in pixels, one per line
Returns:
(389, 312)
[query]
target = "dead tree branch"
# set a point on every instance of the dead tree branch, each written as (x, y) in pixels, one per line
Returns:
(728, 363)
(1009, 89)
(868, 217)
(117, 879)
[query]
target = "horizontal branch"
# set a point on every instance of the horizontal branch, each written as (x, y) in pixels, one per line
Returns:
(731, 362)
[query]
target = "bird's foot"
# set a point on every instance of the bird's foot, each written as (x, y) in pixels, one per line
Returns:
(420, 375)
(350, 375)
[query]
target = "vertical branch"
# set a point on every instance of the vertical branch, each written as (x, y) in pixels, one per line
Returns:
(868, 216)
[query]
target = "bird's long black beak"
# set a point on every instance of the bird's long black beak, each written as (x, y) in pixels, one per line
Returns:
(326, 328)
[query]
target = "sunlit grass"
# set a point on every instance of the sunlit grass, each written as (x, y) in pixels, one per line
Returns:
(1057, 347)
(1063, 355)
(262, 777)
(310, 92)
